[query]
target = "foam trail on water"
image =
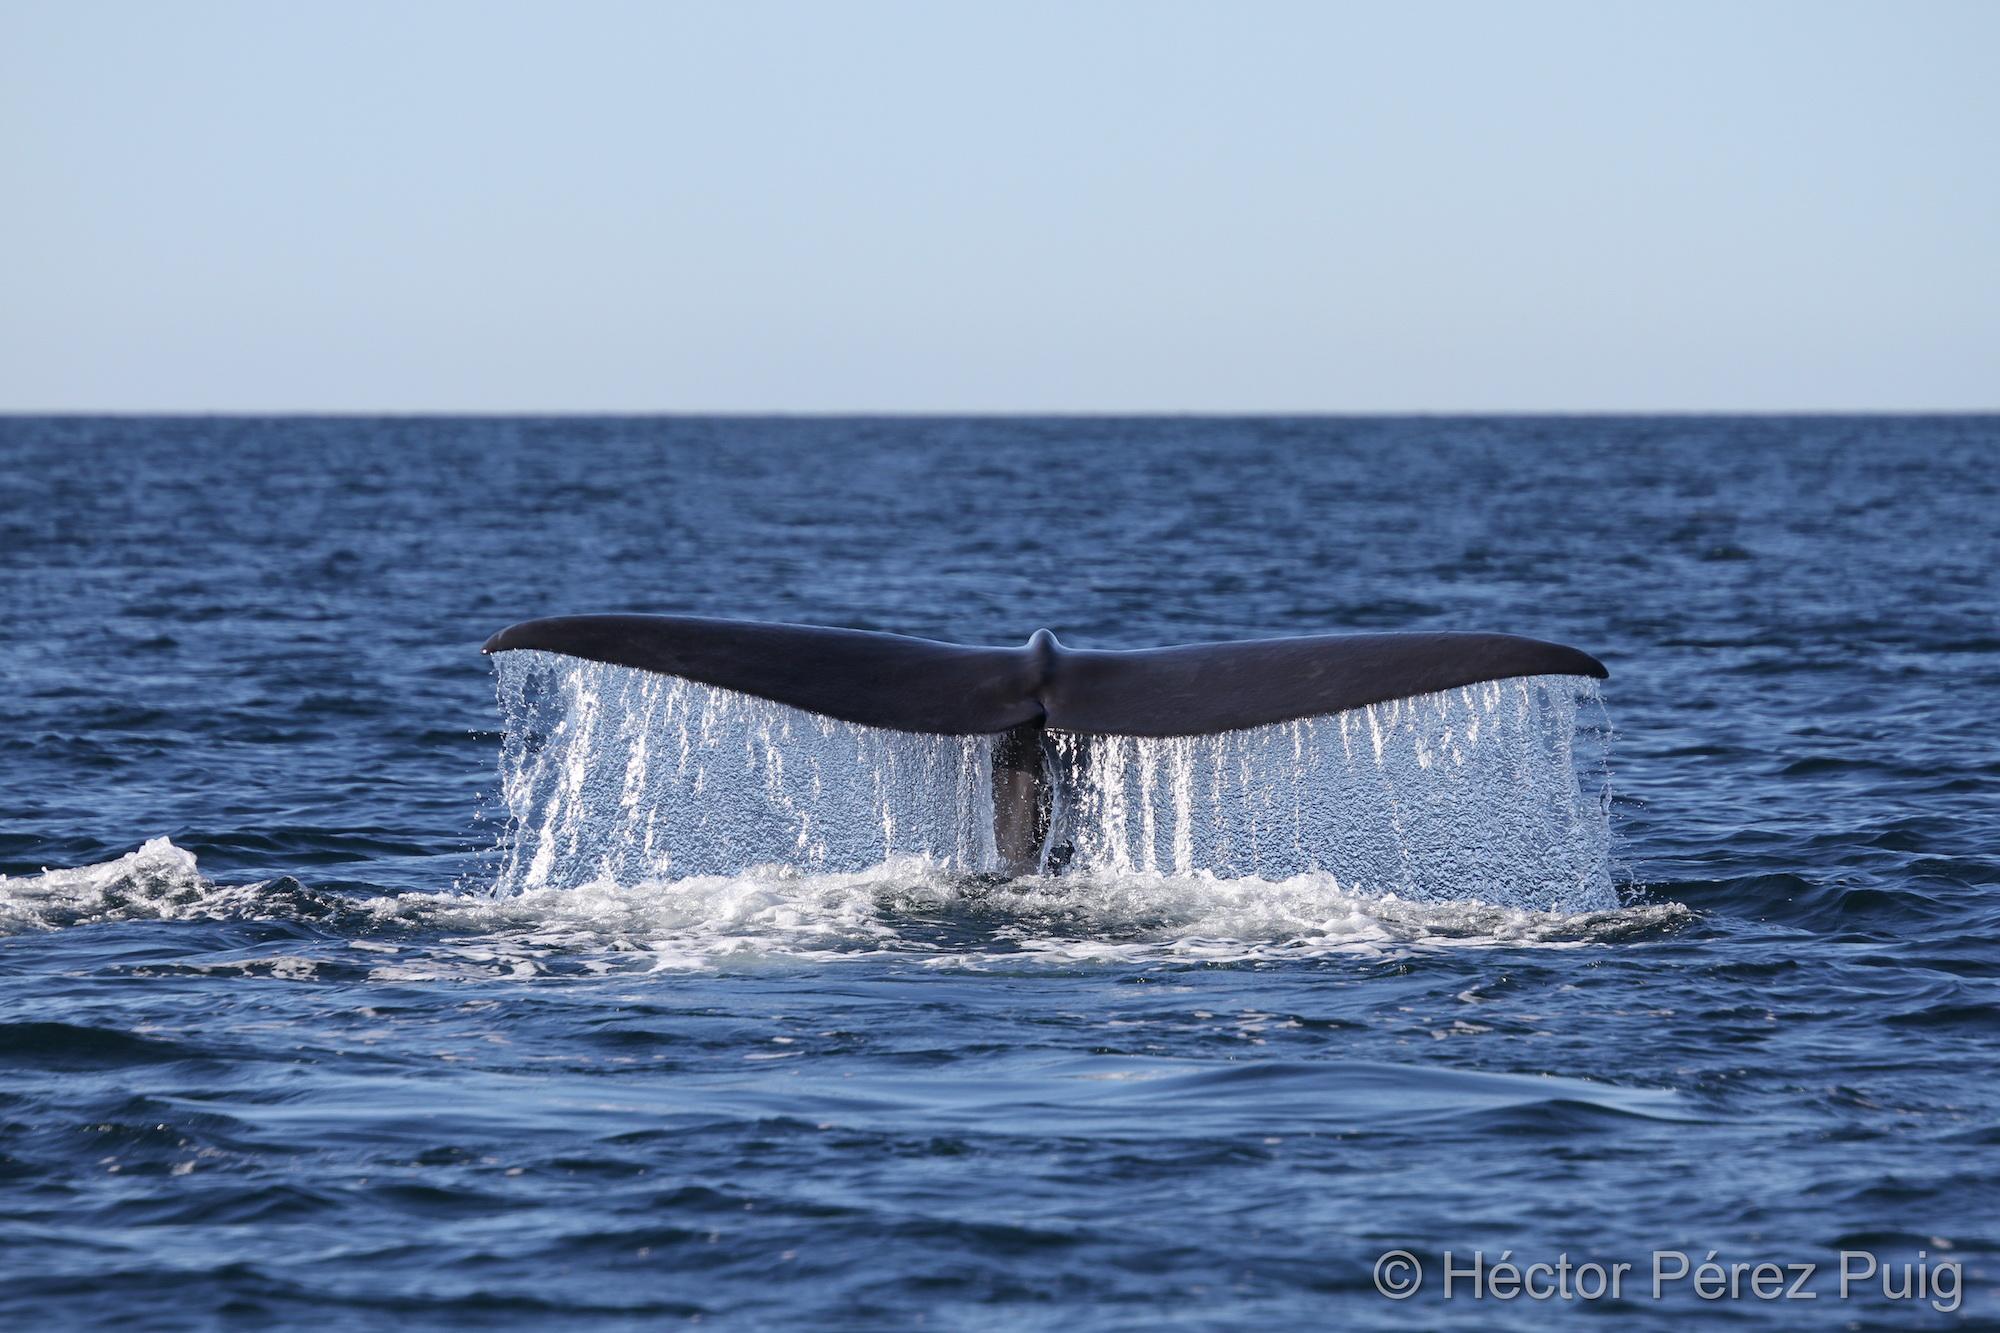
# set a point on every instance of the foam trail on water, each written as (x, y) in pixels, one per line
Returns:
(613, 775)
(775, 916)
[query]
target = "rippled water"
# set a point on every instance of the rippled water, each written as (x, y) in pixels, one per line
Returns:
(292, 1033)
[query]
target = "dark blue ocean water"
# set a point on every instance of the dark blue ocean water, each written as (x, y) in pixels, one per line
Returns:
(272, 1055)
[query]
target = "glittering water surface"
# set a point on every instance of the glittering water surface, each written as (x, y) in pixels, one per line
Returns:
(333, 994)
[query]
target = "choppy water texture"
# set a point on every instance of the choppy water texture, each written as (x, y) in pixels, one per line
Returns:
(293, 1032)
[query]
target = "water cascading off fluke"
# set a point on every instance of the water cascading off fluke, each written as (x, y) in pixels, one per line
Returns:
(617, 770)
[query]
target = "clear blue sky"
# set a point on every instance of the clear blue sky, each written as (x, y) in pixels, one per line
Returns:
(1009, 206)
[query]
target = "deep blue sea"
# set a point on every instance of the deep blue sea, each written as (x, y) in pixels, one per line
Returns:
(288, 1040)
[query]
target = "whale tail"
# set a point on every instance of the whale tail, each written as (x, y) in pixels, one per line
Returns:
(1022, 694)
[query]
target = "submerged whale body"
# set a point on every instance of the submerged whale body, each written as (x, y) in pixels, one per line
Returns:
(1022, 695)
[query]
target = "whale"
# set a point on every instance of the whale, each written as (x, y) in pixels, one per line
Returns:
(1020, 695)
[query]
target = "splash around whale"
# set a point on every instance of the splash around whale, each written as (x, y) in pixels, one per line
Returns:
(1427, 765)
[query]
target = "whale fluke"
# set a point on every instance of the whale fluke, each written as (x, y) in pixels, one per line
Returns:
(1021, 694)
(910, 684)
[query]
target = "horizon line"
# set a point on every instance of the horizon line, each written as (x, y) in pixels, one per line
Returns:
(943, 414)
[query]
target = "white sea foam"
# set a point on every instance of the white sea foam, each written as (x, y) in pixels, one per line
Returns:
(910, 909)
(158, 881)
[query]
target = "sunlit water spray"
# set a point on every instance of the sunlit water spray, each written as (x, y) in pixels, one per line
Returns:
(628, 776)
(1494, 792)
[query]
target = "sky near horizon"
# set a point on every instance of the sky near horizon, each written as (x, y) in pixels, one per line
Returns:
(746, 206)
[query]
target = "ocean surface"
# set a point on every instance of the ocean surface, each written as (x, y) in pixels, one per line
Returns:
(350, 979)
